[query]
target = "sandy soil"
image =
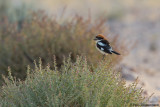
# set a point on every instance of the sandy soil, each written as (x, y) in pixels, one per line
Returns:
(144, 60)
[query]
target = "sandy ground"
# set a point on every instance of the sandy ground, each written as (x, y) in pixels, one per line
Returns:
(144, 60)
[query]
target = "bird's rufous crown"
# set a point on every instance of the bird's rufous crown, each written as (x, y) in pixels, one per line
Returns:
(102, 36)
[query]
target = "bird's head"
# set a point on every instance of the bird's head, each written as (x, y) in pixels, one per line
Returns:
(99, 37)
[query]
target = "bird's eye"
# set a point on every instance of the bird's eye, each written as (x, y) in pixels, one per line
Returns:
(99, 37)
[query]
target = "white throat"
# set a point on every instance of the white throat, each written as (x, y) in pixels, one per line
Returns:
(97, 41)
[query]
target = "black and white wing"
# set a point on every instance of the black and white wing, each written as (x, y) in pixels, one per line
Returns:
(104, 46)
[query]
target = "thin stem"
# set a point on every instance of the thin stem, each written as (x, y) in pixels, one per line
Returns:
(103, 57)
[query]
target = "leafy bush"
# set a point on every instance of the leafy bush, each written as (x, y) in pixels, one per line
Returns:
(74, 85)
(42, 36)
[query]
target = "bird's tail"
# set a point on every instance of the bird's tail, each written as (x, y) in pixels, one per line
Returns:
(116, 52)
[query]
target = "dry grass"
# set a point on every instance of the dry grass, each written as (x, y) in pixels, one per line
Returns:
(44, 37)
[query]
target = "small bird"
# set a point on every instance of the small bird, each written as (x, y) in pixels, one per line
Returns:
(103, 45)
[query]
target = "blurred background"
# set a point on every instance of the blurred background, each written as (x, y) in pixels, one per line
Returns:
(134, 24)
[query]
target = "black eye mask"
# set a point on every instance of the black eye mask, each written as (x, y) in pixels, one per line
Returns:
(99, 37)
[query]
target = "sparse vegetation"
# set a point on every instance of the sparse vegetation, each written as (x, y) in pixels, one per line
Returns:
(42, 36)
(74, 85)
(26, 36)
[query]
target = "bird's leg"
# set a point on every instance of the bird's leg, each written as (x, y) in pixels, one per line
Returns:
(103, 56)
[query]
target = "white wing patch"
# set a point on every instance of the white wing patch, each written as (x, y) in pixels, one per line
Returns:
(101, 44)
(110, 49)
(102, 49)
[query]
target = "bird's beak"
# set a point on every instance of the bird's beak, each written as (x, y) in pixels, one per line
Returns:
(95, 39)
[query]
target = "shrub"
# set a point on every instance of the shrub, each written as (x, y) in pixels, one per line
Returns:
(75, 84)
(43, 36)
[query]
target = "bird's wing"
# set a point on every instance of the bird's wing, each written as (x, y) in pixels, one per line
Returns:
(104, 46)
(105, 41)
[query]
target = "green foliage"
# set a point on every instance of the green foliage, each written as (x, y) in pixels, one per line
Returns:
(74, 85)
(42, 36)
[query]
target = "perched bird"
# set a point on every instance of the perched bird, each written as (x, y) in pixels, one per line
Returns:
(103, 45)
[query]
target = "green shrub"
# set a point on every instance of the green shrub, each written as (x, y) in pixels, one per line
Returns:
(74, 85)
(42, 36)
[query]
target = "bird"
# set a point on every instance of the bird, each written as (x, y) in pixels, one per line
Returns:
(103, 45)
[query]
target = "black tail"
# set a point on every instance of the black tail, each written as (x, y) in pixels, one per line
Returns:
(116, 52)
